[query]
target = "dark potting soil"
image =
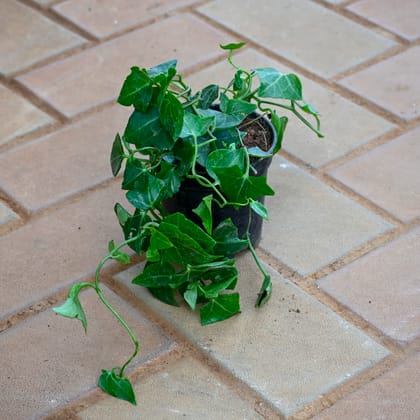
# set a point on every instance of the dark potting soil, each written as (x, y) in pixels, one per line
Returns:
(258, 133)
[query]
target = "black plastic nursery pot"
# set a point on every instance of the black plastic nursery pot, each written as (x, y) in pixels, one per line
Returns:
(191, 193)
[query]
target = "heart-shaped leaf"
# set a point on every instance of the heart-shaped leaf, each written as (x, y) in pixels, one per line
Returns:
(278, 85)
(117, 386)
(220, 308)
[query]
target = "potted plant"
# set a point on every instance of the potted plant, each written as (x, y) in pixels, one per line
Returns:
(195, 166)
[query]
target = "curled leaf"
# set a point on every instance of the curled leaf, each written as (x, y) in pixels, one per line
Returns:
(72, 307)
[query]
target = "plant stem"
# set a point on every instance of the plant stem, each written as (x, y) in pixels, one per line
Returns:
(110, 307)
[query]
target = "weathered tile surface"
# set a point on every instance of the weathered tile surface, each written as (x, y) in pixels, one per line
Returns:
(311, 36)
(68, 161)
(393, 84)
(400, 17)
(187, 390)
(101, 70)
(388, 175)
(289, 356)
(335, 112)
(39, 371)
(18, 116)
(383, 287)
(6, 214)
(311, 225)
(30, 37)
(109, 16)
(391, 396)
(55, 250)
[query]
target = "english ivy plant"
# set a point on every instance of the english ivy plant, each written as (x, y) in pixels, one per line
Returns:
(176, 135)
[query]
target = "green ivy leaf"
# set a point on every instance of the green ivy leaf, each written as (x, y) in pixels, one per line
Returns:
(220, 308)
(204, 211)
(165, 294)
(233, 46)
(221, 120)
(195, 126)
(278, 85)
(72, 307)
(227, 167)
(136, 89)
(147, 194)
(117, 155)
(279, 124)
(144, 129)
(257, 152)
(172, 115)
(237, 107)
(227, 240)
(191, 294)
(208, 95)
(162, 68)
(156, 274)
(117, 386)
(259, 208)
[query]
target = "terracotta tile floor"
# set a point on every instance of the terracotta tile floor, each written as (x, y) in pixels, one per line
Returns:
(341, 336)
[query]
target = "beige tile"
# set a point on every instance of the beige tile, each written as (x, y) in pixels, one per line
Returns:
(105, 17)
(50, 253)
(187, 390)
(290, 351)
(308, 34)
(18, 116)
(393, 84)
(311, 225)
(383, 287)
(31, 37)
(66, 162)
(336, 112)
(393, 395)
(95, 76)
(48, 360)
(388, 175)
(400, 17)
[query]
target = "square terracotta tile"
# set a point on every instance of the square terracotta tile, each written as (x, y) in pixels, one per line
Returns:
(18, 116)
(31, 37)
(388, 175)
(393, 395)
(306, 33)
(49, 360)
(190, 390)
(392, 84)
(95, 76)
(106, 17)
(400, 17)
(63, 163)
(312, 225)
(383, 287)
(290, 351)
